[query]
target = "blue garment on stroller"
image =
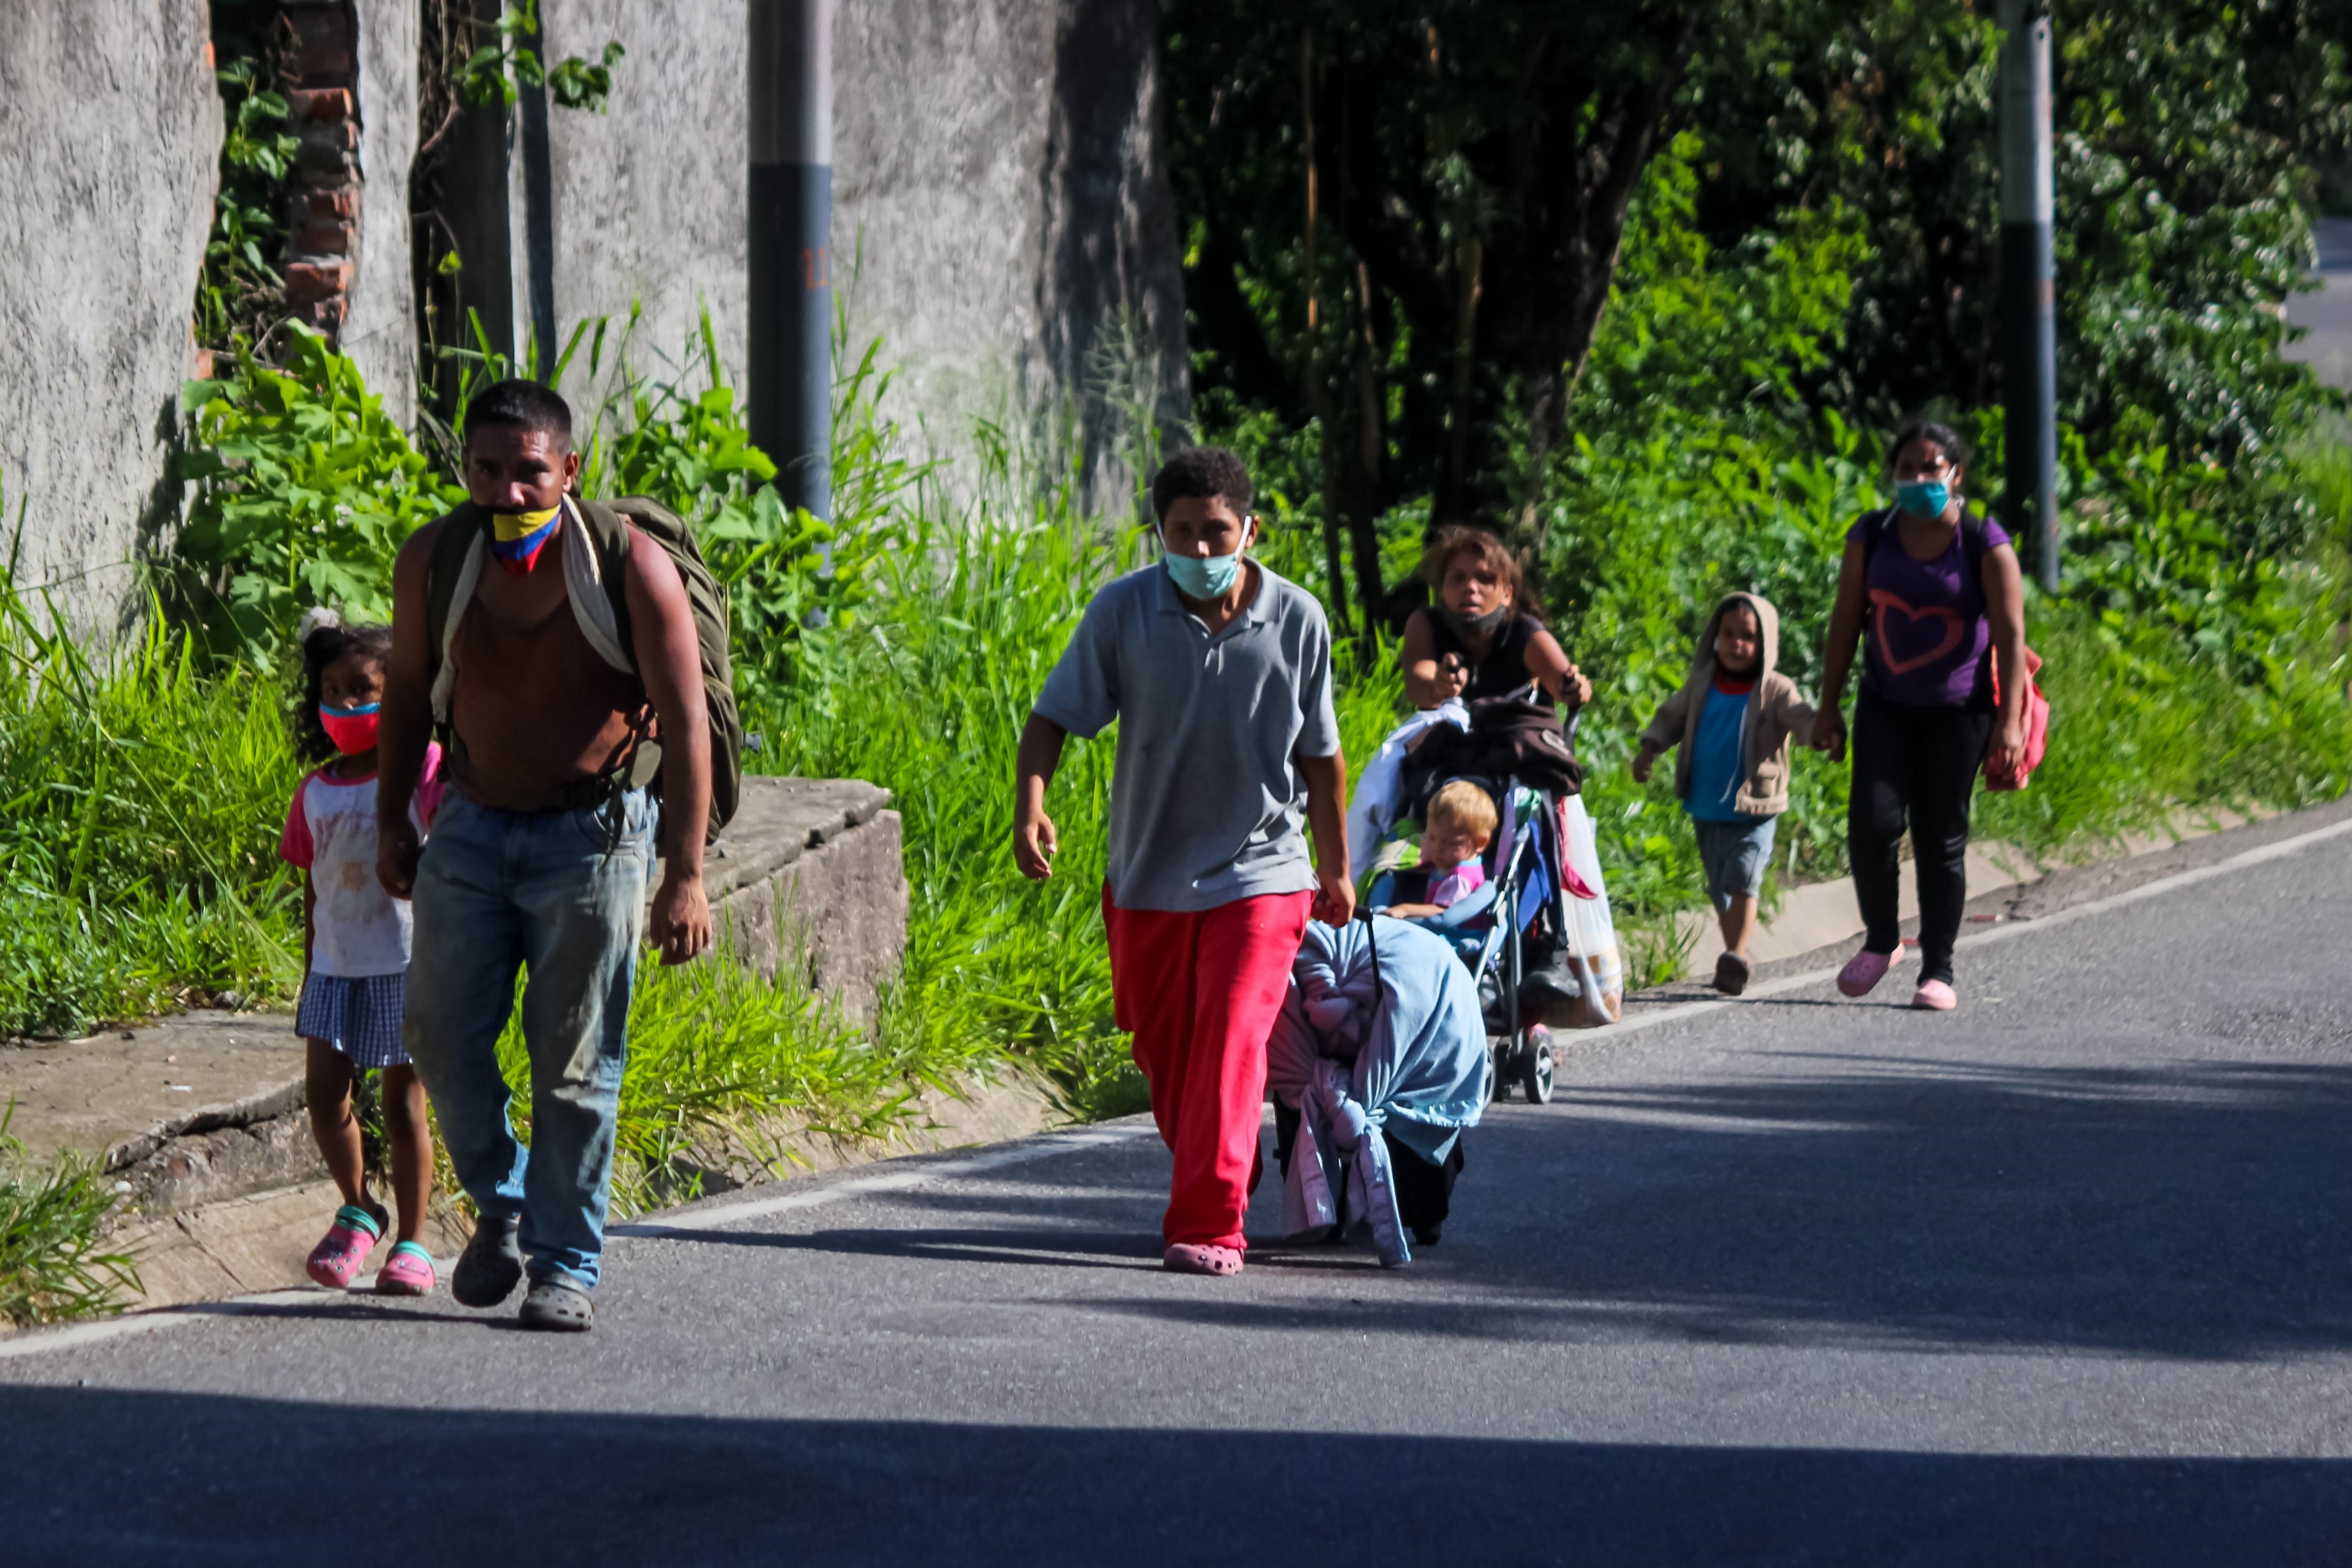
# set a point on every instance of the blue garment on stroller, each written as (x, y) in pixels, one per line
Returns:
(1381, 1031)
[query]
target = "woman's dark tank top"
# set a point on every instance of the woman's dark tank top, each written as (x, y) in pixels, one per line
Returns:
(1504, 671)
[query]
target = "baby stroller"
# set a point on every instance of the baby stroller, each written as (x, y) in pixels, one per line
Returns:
(1537, 936)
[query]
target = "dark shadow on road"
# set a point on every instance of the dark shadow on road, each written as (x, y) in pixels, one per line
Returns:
(2200, 1211)
(102, 1476)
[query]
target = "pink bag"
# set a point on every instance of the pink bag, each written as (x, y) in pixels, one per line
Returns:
(2037, 728)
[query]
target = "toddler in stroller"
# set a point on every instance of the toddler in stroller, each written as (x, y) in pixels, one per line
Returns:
(1376, 1065)
(1461, 824)
(1533, 926)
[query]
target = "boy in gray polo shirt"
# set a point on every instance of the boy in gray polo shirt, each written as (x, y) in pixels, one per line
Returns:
(1219, 673)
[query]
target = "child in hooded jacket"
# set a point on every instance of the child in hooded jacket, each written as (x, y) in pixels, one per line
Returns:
(1732, 720)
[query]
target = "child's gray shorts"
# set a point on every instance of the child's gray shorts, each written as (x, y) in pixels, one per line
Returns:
(1734, 855)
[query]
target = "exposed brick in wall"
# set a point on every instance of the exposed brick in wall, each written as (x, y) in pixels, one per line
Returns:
(322, 99)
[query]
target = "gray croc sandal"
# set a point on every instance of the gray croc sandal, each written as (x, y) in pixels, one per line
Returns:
(555, 1306)
(1731, 972)
(491, 1266)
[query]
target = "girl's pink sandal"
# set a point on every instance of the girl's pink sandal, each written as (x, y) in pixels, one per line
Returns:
(1190, 1258)
(1934, 996)
(407, 1272)
(335, 1262)
(1864, 970)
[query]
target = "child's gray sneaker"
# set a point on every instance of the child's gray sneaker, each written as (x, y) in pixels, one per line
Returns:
(490, 1265)
(556, 1307)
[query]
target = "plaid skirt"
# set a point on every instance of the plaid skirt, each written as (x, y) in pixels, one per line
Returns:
(357, 1015)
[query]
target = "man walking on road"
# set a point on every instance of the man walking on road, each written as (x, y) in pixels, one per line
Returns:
(540, 855)
(1219, 674)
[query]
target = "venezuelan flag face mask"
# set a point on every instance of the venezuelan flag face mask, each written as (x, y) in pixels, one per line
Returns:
(516, 538)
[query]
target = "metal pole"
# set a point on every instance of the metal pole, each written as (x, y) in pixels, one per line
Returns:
(790, 262)
(2029, 290)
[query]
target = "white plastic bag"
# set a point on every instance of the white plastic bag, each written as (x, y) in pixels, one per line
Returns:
(1593, 957)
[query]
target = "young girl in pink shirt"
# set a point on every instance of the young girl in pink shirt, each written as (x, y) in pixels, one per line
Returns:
(355, 950)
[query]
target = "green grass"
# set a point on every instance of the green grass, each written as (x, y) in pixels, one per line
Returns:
(141, 798)
(53, 1264)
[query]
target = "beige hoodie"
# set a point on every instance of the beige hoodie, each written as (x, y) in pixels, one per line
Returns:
(1775, 712)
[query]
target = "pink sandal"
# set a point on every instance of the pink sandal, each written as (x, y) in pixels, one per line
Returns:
(335, 1262)
(407, 1272)
(1192, 1258)
(1934, 996)
(1866, 969)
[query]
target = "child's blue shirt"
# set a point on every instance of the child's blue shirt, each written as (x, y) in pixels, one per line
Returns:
(1719, 758)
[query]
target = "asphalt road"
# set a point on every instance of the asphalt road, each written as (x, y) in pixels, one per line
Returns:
(2062, 1277)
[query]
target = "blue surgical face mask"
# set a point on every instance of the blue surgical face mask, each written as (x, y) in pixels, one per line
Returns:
(1202, 578)
(1923, 498)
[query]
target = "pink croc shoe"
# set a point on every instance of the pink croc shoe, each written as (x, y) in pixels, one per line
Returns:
(407, 1272)
(1934, 997)
(335, 1262)
(1866, 969)
(1188, 1257)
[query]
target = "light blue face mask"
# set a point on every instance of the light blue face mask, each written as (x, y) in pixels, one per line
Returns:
(1202, 578)
(1923, 498)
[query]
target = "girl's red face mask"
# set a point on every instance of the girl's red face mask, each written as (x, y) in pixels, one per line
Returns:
(353, 730)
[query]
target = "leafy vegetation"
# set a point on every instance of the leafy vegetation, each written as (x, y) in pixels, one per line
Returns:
(1385, 261)
(53, 1264)
(241, 293)
(140, 795)
(501, 63)
(2188, 662)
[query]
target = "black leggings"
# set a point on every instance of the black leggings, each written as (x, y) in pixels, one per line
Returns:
(1918, 764)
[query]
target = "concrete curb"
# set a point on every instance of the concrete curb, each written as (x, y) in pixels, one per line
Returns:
(908, 1171)
(261, 1241)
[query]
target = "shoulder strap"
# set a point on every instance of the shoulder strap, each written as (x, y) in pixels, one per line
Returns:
(1877, 529)
(593, 583)
(449, 577)
(1974, 543)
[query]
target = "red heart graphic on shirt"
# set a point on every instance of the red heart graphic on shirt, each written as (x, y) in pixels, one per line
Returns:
(1913, 630)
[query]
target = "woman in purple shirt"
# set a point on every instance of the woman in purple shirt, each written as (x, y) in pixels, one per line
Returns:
(1934, 595)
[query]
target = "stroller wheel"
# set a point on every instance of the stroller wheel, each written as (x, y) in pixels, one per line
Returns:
(1500, 1048)
(1535, 1067)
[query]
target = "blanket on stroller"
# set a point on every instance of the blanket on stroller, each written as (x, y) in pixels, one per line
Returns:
(1381, 1030)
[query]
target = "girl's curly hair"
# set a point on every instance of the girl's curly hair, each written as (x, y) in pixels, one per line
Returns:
(325, 638)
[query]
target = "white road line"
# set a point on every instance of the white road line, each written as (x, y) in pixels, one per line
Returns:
(75, 1336)
(2155, 889)
(890, 1182)
(79, 1334)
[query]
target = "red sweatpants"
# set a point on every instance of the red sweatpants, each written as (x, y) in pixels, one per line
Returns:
(1199, 992)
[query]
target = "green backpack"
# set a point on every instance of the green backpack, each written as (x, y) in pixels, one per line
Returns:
(607, 524)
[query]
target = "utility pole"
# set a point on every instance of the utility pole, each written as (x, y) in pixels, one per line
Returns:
(2028, 287)
(790, 262)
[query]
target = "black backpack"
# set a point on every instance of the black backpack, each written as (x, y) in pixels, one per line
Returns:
(607, 524)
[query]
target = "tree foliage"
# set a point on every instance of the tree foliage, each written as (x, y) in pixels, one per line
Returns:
(1430, 309)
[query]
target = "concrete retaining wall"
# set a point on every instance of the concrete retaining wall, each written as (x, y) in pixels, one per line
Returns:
(380, 334)
(814, 870)
(110, 137)
(1003, 223)
(1003, 217)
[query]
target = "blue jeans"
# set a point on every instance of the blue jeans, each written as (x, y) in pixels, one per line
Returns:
(498, 891)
